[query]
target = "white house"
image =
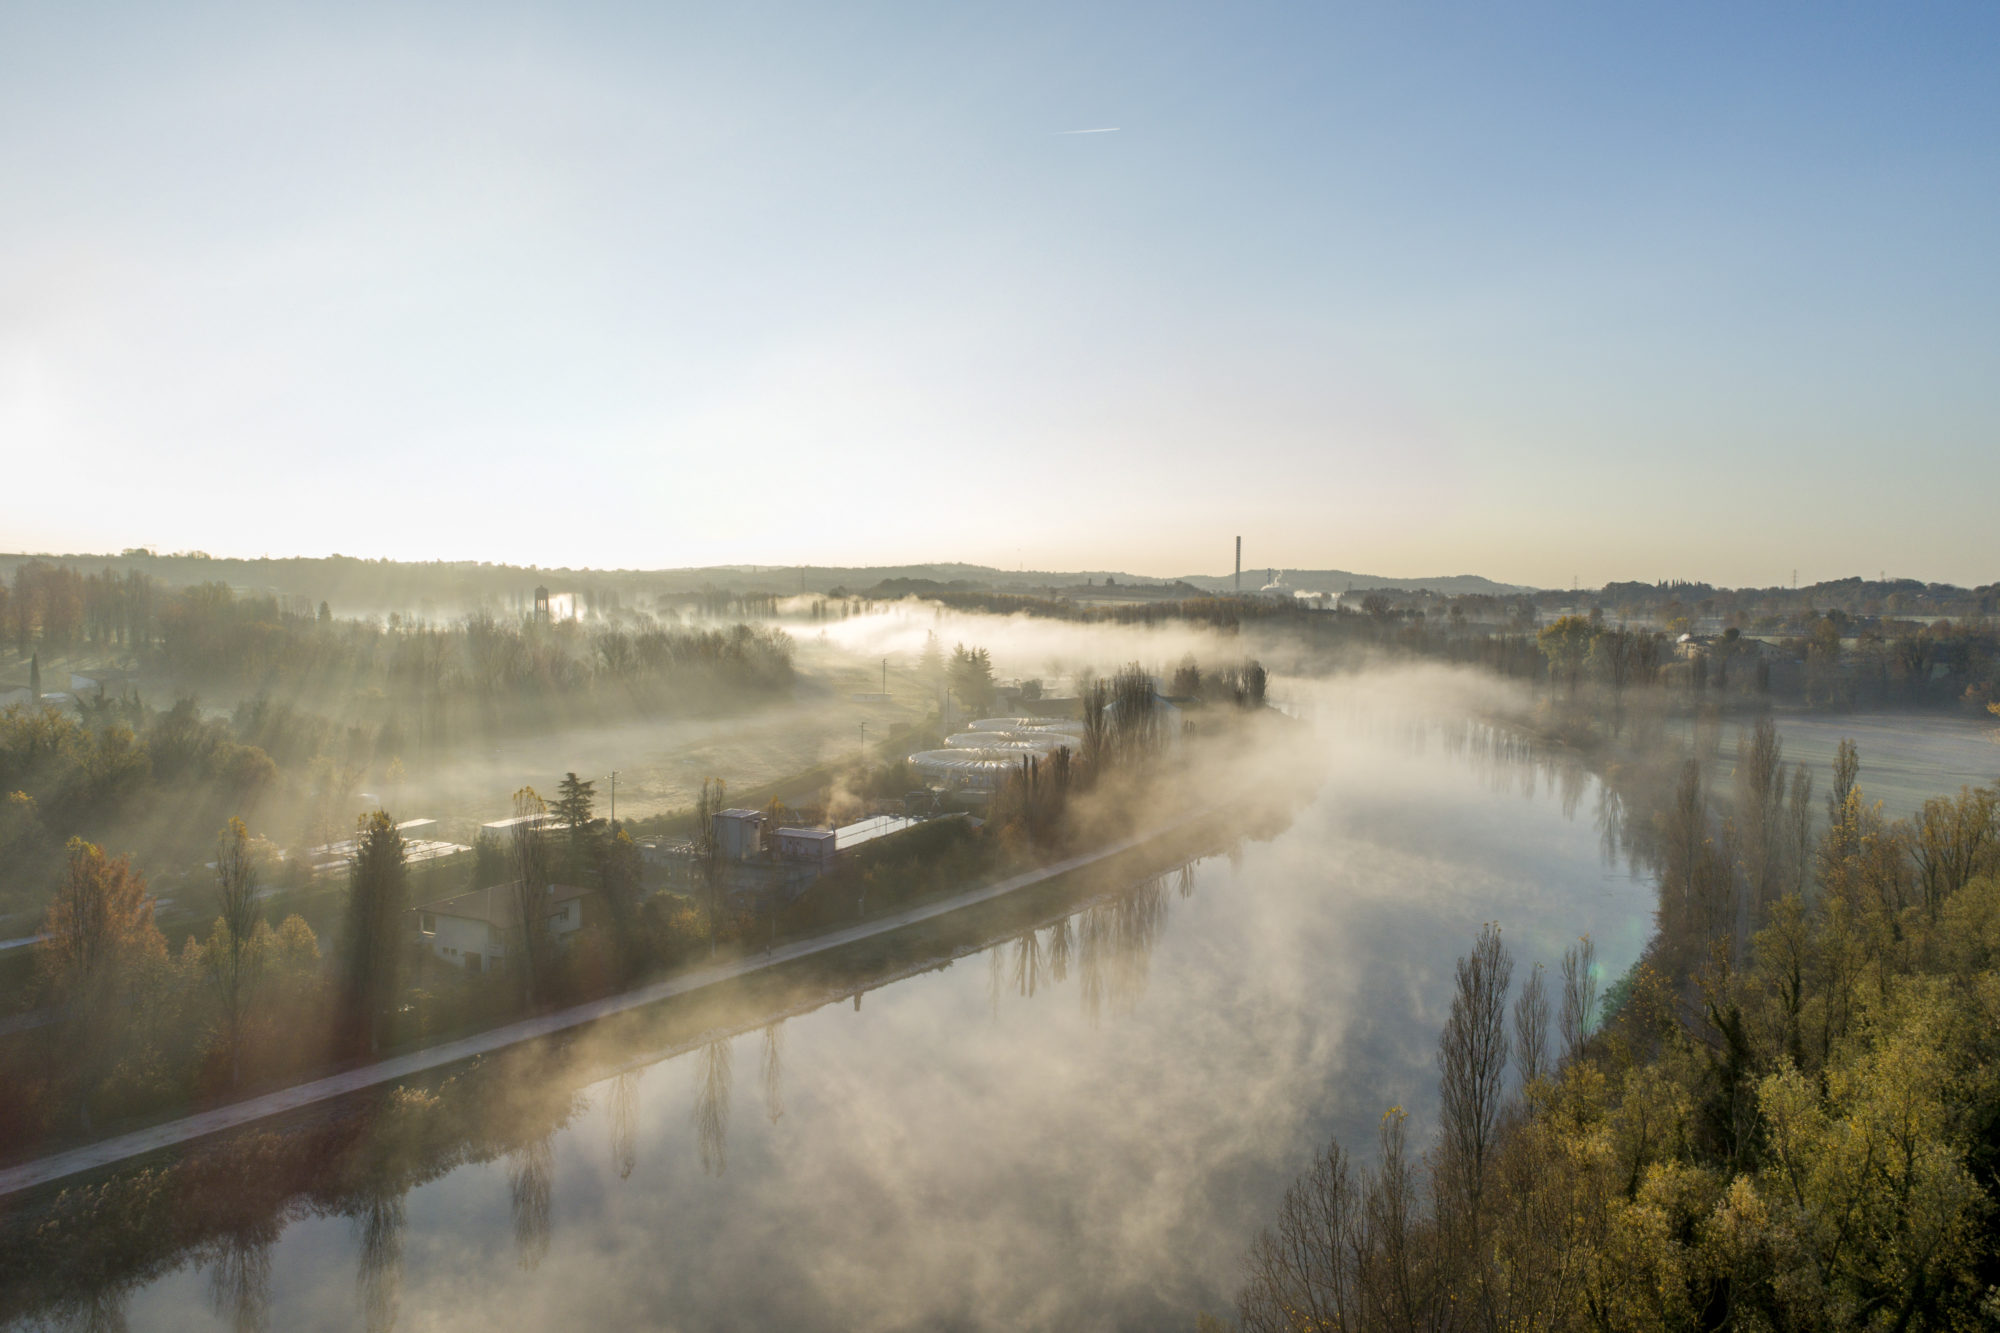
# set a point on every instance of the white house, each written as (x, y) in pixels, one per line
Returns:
(482, 928)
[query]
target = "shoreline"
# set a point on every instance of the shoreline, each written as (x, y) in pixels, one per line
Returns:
(188, 1129)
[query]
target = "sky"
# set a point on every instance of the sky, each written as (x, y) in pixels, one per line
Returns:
(1538, 291)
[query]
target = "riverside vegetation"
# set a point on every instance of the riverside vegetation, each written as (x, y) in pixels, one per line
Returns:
(138, 1031)
(1787, 1119)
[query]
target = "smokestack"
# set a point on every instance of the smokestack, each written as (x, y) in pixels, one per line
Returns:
(1239, 564)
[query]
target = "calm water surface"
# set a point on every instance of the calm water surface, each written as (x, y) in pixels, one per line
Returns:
(1028, 1138)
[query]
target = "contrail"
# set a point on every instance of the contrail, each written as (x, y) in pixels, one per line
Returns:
(1108, 129)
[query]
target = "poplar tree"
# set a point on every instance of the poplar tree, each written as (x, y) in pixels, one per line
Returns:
(232, 955)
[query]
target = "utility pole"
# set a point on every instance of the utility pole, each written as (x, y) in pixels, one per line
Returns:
(614, 800)
(1239, 564)
(885, 675)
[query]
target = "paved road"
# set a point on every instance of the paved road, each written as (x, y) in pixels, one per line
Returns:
(140, 1142)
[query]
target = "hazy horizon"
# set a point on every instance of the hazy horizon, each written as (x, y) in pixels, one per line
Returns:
(1300, 577)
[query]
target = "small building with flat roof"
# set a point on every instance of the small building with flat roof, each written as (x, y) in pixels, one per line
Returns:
(481, 929)
(807, 846)
(849, 836)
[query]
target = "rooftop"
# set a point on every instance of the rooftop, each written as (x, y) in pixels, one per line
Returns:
(867, 830)
(496, 905)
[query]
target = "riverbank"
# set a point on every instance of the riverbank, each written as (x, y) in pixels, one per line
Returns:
(187, 1129)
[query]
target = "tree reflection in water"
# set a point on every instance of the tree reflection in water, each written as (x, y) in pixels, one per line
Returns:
(1134, 920)
(531, 1175)
(774, 1058)
(1027, 964)
(625, 1124)
(1062, 943)
(996, 977)
(99, 1311)
(380, 1275)
(711, 1105)
(1090, 961)
(362, 1171)
(239, 1279)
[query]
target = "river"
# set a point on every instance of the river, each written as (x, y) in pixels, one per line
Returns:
(1082, 1126)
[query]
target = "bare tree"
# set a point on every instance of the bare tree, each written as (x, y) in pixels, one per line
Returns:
(1135, 716)
(1305, 1273)
(1954, 839)
(1531, 1027)
(1798, 830)
(1096, 725)
(1472, 1061)
(1399, 1292)
(1759, 798)
(1687, 889)
(1579, 997)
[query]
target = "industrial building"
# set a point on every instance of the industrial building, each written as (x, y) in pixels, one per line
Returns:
(783, 861)
(979, 759)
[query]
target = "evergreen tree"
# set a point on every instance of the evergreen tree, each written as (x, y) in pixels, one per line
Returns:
(378, 889)
(575, 798)
(971, 675)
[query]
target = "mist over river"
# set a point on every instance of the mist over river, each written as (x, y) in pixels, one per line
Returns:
(1081, 1127)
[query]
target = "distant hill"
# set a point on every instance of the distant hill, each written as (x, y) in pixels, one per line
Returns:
(356, 586)
(445, 589)
(1340, 580)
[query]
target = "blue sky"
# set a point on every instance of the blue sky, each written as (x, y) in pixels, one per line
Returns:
(1534, 291)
